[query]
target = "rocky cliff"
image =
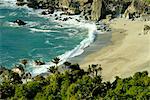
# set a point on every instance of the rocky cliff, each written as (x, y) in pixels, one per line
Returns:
(96, 9)
(89, 9)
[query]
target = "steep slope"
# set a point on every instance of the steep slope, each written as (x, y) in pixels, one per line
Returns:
(91, 9)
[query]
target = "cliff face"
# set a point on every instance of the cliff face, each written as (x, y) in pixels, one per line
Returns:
(96, 9)
(89, 9)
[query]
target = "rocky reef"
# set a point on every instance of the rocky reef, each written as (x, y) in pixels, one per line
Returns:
(92, 9)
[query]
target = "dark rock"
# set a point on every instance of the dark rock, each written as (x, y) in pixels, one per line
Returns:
(24, 61)
(56, 18)
(146, 29)
(55, 15)
(70, 18)
(27, 76)
(60, 25)
(44, 13)
(20, 22)
(20, 3)
(33, 4)
(49, 11)
(40, 5)
(65, 19)
(77, 20)
(38, 62)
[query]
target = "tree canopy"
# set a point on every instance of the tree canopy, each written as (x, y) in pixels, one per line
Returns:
(75, 83)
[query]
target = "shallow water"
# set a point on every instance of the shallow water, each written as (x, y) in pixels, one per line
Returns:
(101, 41)
(42, 38)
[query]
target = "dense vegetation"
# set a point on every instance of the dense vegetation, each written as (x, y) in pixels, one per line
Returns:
(147, 1)
(74, 84)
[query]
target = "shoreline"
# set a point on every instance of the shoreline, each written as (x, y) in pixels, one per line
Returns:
(110, 56)
(101, 41)
(80, 48)
(128, 53)
(77, 51)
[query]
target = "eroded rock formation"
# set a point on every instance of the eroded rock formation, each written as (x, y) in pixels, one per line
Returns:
(89, 9)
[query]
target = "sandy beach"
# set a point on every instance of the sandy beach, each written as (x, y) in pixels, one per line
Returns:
(128, 53)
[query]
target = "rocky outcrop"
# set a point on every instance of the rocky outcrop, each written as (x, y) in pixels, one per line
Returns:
(38, 62)
(135, 9)
(64, 3)
(89, 9)
(85, 7)
(146, 29)
(96, 9)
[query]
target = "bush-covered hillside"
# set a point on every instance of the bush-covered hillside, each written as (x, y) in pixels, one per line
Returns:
(75, 84)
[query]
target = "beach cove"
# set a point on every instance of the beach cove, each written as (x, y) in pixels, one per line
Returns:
(75, 49)
(90, 40)
(128, 53)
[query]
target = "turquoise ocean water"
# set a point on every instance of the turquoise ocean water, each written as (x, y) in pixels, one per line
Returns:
(42, 37)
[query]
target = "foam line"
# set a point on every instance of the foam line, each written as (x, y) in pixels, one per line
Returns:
(2, 17)
(78, 50)
(39, 30)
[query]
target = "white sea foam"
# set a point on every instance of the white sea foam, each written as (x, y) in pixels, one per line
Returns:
(61, 37)
(59, 46)
(39, 30)
(2, 17)
(58, 26)
(72, 32)
(12, 24)
(31, 24)
(47, 42)
(11, 4)
(8, 1)
(85, 43)
(78, 50)
(45, 27)
(13, 14)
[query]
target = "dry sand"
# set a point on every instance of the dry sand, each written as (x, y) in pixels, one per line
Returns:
(128, 53)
